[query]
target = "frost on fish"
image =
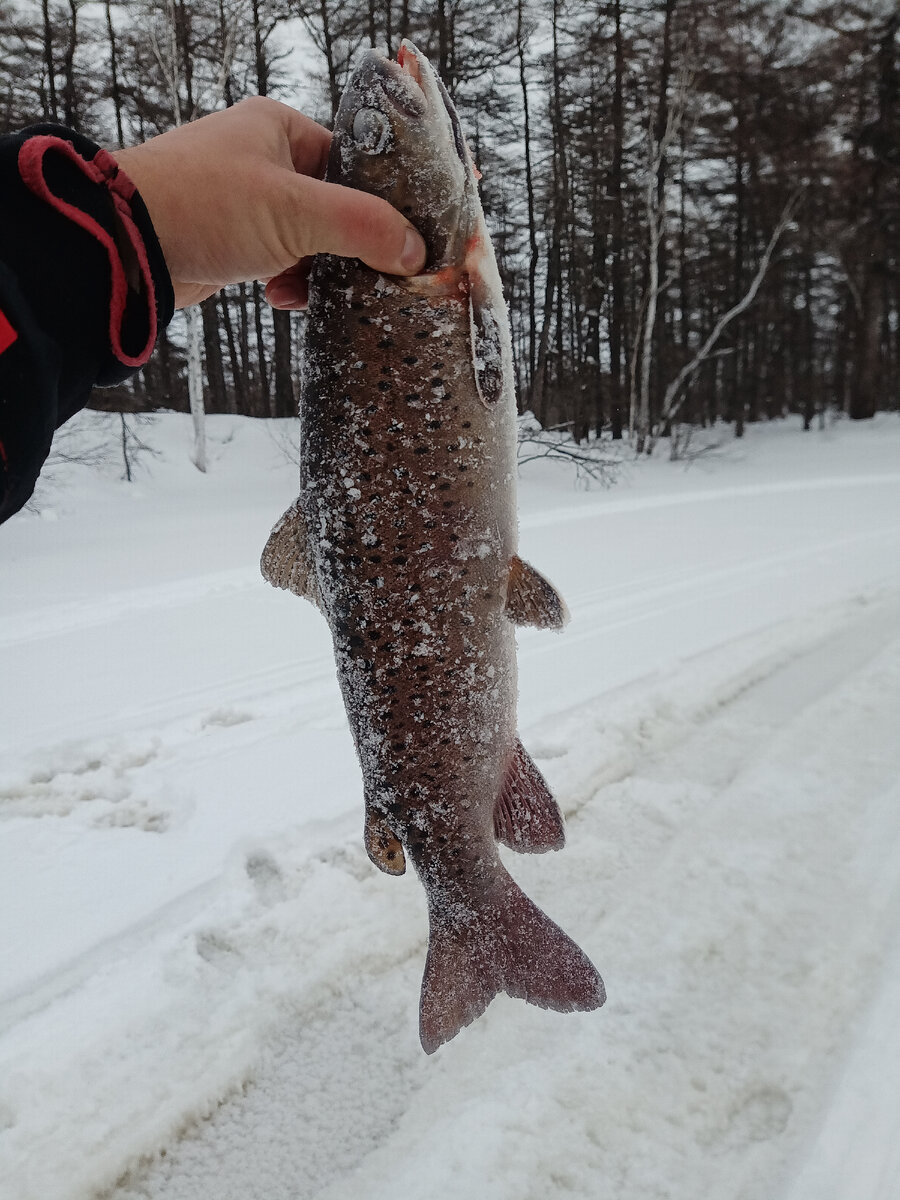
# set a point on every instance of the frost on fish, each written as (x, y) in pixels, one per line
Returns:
(405, 535)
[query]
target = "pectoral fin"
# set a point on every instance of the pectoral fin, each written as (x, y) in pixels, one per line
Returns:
(526, 817)
(533, 600)
(285, 561)
(383, 846)
(487, 344)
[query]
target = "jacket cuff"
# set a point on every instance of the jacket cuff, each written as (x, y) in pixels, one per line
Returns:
(84, 290)
(83, 249)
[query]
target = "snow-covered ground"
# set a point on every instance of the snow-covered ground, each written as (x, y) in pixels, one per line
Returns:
(206, 991)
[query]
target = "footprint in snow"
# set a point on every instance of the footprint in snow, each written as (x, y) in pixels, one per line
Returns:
(265, 875)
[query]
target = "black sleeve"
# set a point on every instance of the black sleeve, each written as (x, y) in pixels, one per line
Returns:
(84, 291)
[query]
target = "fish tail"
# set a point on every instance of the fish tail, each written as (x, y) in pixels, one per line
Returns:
(502, 944)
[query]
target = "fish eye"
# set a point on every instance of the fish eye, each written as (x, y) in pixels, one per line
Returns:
(371, 130)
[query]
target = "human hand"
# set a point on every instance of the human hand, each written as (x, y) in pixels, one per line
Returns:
(239, 195)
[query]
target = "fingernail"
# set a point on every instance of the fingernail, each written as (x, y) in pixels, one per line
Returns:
(283, 294)
(413, 257)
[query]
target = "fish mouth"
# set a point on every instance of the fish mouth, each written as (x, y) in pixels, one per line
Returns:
(408, 61)
(401, 86)
(414, 86)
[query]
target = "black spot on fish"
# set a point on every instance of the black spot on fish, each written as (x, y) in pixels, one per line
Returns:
(462, 467)
(437, 382)
(385, 343)
(421, 449)
(365, 320)
(444, 487)
(467, 424)
(432, 424)
(384, 385)
(421, 333)
(410, 360)
(357, 304)
(413, 397)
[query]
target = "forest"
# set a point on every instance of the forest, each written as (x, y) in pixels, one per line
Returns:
(695, 206)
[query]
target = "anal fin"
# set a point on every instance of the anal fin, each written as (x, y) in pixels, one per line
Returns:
(285, 561)
(383, 846)
(533, 600)
(526, 817)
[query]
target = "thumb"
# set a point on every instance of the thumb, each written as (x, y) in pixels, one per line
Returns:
(354, 224)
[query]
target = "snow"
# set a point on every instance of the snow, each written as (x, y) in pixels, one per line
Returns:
(207, 990)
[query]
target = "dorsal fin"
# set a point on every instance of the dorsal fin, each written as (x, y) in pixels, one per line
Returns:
(533, 600)
(526, 817)
(285, 561)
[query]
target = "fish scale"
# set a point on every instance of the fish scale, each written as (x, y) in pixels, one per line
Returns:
(404, 535)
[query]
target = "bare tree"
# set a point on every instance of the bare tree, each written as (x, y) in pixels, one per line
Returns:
(656, 206)
(674, 395)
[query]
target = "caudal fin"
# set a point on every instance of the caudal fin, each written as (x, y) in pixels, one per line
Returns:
(505, 944)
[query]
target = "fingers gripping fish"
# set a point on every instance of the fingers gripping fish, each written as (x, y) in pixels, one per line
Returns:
(404, 535)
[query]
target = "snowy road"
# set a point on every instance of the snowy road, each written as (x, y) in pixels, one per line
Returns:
(190, 928)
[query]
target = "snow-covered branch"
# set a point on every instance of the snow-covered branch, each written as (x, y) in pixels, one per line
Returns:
(674, 395)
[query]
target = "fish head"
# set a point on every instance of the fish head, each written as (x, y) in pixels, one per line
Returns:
(397, 135)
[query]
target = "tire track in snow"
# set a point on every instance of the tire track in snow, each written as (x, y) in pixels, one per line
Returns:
(305, 682)
(558, 515)
(53, 620)
(679, 588)
(666, 1089)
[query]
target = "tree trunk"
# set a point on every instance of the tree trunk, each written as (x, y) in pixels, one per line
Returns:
(529, 192)
(215, 373)
(617, 282)
(49, 65)
(194, 322)
(284, 403)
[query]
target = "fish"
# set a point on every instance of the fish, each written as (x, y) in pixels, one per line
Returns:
(404, 535)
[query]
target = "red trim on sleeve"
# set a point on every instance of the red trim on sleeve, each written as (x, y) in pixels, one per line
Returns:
(3, 457)
(102, 169)
(7, 334)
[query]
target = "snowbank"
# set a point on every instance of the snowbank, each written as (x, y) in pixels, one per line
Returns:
(206, 990)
